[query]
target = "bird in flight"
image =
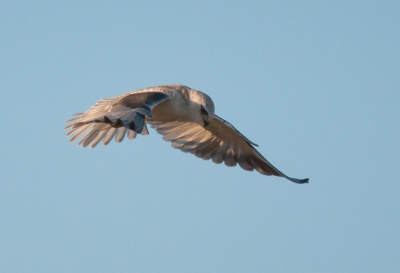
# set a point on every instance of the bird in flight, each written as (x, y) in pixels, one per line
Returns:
(184, 116)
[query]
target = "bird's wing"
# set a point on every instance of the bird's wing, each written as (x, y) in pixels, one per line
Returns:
(220, 142)
(116, 117)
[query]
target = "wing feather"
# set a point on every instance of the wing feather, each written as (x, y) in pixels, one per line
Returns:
(221, 142)
(120, 134)
(131, 134)
(116, 117)
(109, 135)
(99, 138)
(80, 132)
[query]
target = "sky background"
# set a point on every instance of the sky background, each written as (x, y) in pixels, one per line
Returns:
(315, 83)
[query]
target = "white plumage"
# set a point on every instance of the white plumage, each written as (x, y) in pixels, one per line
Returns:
(184, 116)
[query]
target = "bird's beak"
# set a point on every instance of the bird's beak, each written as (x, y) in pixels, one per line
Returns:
(206, 123)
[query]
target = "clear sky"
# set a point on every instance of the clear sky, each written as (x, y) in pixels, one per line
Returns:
(315, 83)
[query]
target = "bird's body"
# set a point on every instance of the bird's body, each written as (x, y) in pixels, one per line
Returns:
(183, 105)
(184, 116)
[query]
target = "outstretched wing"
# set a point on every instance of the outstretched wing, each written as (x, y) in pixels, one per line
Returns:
(220, 142)
(115, 117)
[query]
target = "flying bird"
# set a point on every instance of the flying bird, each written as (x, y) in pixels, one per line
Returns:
(184, 116)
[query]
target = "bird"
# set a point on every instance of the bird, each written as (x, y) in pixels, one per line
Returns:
(185, 117)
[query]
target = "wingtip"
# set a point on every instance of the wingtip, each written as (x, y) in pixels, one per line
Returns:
(303, 181)
(299, 181)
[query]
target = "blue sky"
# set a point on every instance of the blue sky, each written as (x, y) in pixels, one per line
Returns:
(315, 84)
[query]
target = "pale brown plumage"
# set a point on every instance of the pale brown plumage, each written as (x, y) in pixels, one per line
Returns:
(184, 116)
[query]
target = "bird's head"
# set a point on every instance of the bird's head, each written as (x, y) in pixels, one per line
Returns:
(207, 109)
(203, 107)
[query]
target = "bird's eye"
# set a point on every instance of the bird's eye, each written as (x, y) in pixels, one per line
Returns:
(203, 111)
